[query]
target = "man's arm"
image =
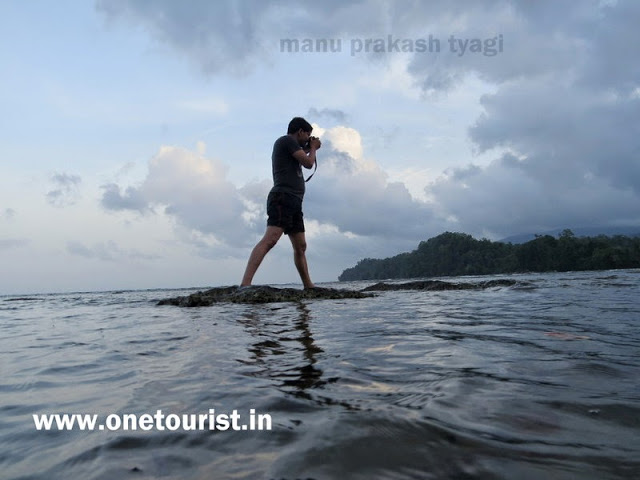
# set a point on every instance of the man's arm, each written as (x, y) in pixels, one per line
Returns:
(307, 159)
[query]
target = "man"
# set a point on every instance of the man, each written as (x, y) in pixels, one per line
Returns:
(284, 203)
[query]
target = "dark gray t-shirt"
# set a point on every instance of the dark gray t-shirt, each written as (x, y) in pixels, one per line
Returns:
(287, 171)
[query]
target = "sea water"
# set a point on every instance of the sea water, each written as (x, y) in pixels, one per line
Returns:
(538, 380)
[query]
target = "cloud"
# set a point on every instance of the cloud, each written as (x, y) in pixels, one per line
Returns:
(537, 38)
(10, 243)
(566, 134)
(193, 190)
(355, 195)
(219, 36)
(572, 125)
(326, 114)
(515, 41)
(565, 110)
(65, 190)
(232, 37)
(507, 197)
(131, 199)
(562, 121)
(8, 214)
(108, 251)
(350, 198)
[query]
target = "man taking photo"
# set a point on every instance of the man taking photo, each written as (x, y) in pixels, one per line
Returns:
(291, 152)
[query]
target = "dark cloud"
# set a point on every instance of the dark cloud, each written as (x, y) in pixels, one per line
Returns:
(65, 190)
(519, 40)
(565, 106)
(505, 198)
(609, 48)
(223, 37)
(566, 135)
(538, 38)
(218, 35)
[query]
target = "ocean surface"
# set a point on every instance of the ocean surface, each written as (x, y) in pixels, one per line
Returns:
(536, 381)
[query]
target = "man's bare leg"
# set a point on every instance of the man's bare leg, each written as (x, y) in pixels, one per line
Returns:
(268, 241)
(299, 244)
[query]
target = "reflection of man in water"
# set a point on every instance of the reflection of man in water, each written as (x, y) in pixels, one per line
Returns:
(284, 203)
(276, 354)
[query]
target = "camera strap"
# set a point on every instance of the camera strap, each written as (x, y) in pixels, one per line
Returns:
(314, 170)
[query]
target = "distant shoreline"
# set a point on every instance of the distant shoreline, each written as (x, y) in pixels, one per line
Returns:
(456, 254)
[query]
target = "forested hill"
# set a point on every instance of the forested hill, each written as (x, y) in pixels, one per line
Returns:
(451, 254)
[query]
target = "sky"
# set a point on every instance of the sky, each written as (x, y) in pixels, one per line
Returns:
(135, 145)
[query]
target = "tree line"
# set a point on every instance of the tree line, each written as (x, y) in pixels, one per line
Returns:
(452, 254)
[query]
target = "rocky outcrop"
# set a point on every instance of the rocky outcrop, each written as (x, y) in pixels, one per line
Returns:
(260, 294)
(266, 294)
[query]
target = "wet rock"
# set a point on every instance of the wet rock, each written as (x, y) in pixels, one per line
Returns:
(259, 294)
(266, 294)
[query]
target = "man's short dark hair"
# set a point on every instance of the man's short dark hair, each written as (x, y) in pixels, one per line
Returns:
(298, 123)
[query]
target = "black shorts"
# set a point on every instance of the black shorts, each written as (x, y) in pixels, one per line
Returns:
(285, 211)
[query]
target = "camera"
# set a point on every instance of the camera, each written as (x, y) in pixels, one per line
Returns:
(308, 144)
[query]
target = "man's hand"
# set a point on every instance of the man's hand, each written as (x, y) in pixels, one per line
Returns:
(314, 142)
